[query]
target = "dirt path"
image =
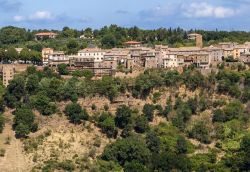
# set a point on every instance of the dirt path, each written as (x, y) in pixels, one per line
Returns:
(14, 159)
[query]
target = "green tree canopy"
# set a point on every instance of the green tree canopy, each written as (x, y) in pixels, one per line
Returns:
(123, 116)
(75, 113)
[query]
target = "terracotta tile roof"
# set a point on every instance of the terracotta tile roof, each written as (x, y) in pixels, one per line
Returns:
(86, 50)
(132, 42)
(46, 34)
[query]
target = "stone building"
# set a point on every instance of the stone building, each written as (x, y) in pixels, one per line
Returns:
(45, 55)
(45, 35)
(58, 57)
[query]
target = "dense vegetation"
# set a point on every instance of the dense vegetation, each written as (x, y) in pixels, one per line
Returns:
(110, 36)
(216, 114)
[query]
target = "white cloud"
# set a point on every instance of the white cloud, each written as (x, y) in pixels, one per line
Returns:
(18, 18)
(201, 10)
(39, 15)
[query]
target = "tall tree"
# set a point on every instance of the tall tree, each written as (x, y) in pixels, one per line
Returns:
(25, 55)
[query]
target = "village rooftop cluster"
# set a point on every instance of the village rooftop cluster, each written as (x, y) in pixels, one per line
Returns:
(136, 56)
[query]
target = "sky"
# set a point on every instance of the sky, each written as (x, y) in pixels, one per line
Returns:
(147, 14)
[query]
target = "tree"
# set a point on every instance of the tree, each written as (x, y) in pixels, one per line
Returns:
(234, 91)
(69, 90)
(172, 78)
(88, 32)
(153, 142)
(75, 113)
(11, 54)
(145, 82)
(127, 150)
(23, 121)
(2, 54)
(123, 116)
(107, 87)
(106, 166)
(72, 46)
(135, 166)
(36, 57)
(201, 132)
(233, 110)
(168, 108)
(148, 111)
(77, 73)
(62, 69)
(88, 74)
(43, 105)
(127, 131)
(12, 35)
(22, 130)
(53, 89)
(183, 114)
(69, 33)
(15, 91)
(245, 95)
(32, 83)
(193, 104)
(25, 55)
(108, 41)
(31, 70)
(141, 124)
(247, 78)
(170, 161)
(193, 79)
(181, 145)
(107, 125)
(244, 153)
(240, 160)
(219, 116)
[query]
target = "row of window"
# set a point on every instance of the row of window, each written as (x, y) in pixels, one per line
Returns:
(91, 54)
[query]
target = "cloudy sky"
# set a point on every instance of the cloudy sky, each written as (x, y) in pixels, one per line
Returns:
(196, 14)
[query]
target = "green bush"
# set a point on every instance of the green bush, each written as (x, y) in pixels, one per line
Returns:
(23, 121)
(201, 132)
(62, 69)
(123, 116)
(107, 124)
(75, 113)
(148, 111)
(141, 124)
(127, 150)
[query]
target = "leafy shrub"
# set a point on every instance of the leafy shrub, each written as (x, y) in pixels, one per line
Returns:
(23, 121)
(75, 113)
(148, 111)
(127, 150)
(201, 132)
(141, 124)
(107, 124)
(62, 69)
(123, 116)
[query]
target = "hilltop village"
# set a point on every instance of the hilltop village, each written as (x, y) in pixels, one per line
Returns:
(135, 56)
